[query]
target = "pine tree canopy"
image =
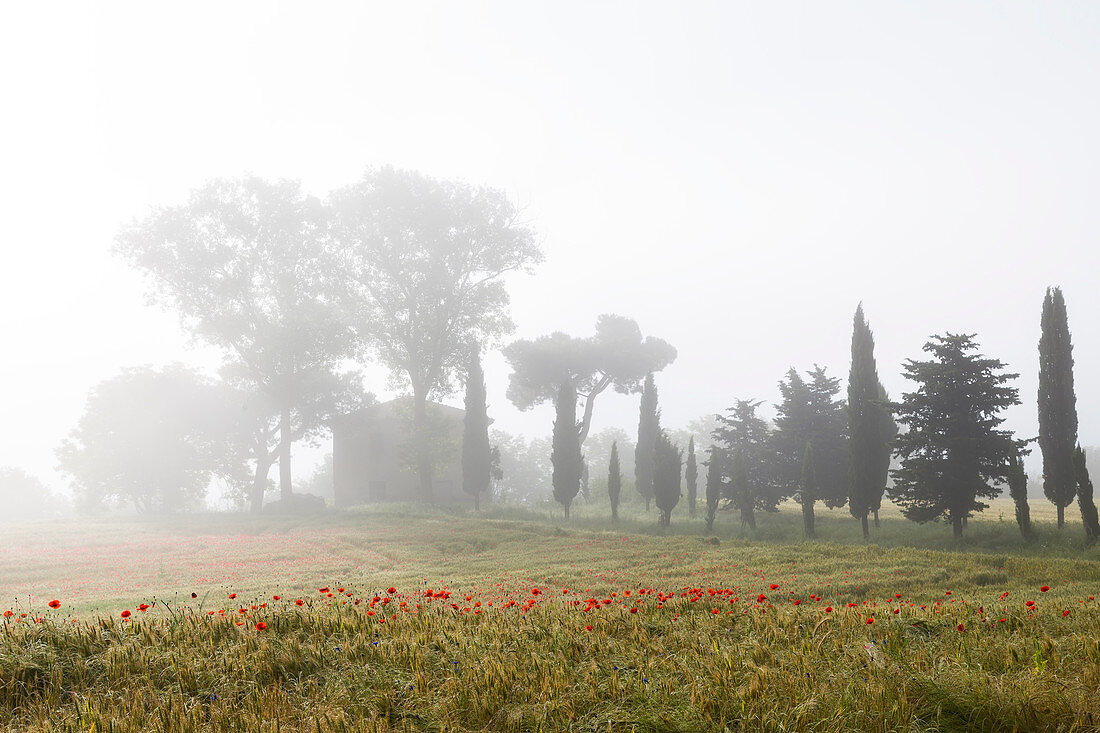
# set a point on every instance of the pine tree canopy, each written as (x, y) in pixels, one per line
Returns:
(953, 448)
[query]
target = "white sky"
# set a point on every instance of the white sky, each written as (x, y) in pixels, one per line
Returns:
(735, 176)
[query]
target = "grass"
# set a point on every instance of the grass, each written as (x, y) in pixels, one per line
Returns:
(701, 652)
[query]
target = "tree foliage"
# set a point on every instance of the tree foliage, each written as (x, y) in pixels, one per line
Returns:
(745, 438)
(616, 356)
(1017, 489)
(566, 457)
(476, 453)
(154, 439)
(1057, 404)
(869, 424)
(691, 477)
(614, 481)
(667, 467)
(1084, 496)
(245, 263)
(423, 264)
(647, 438)
(715, 472)
(953, 448)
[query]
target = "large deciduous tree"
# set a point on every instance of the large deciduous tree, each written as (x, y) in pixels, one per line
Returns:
(1057, 404)
(647, 438)
(476, 453)
(424, 262)
(245, 263)
(155, 439)
(953, 450)
(667, 467)
(869, 426)
(566, 456)
(616, 356)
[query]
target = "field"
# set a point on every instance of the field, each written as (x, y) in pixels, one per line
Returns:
(411, 618)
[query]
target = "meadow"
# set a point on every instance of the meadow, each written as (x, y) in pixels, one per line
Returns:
(428, 618)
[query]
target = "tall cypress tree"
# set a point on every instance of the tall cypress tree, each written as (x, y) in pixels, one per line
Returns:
(476, 458)
(864, 423)
(614, 481)
(1084, 496)
(808, 490)
(1057, 404)
(886, 430)
(715, 471)
(566, 454)
(691, 477)
(647, 438)
(667, 466)
(1017, 489)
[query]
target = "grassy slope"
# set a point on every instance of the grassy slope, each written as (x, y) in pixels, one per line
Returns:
(771, 665)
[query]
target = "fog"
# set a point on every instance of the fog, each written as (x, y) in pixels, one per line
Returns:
(736, 177)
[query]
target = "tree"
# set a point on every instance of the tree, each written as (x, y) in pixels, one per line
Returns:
(667, 466)
(885, 431)
(691, 477)
(476, 454)
(246, 265)
(1084, 496)
(807, 490)
(647, 438)
(953, 448)
(24, 496)
(809, 413)
(525, 465)
(614, 481)
(1017, 489)
(153, 438)
(566, 457)
(744, 436)
(616, 356)
(424, 262)
(1057, 404)
(867, 416)
(715, 471)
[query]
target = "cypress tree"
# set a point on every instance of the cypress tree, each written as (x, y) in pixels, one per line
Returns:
(1057, 404)
(476, 458)
(864, 423)
(691, 477)
(1084, 496)
(566, 454)
(807, 490)
(614, 481)
(885, 432)
(647, 438)
(743, 498)
(1017, 489)
(667, 466)
(715, 470)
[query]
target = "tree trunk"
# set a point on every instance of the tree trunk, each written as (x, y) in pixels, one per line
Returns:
(1061, 517)
(285, 488)
(477, 502)
(808, 516)
(957, 526)
(647, 505)
(423, 461)
(866, 530)
(259, 483)
(877, 525)
(567, 511)
(748, 516)
(614, 513)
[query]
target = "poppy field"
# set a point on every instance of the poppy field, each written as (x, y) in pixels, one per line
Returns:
(421, 620)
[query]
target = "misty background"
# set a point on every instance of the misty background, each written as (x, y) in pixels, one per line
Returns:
(735, 177)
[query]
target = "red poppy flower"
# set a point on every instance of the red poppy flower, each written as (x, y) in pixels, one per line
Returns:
(54, 604)
(391, 590)
(261, 626)
(774, 586)
(232, 595)
(1065, 613)
(1044, 589)
(828, 609)
(761, 598)
(194, 595)
(126, 614)
(8, 614)
(587, 628)
(870, 620)
(275, 598)
(300, 602)
(960, 627)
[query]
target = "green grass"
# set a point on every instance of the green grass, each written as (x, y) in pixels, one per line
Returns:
(673, 665)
